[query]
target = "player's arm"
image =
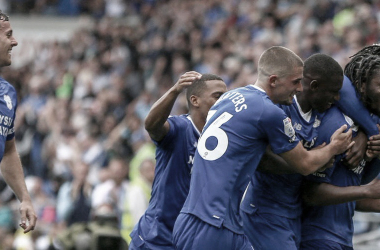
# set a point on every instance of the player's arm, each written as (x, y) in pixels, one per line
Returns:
(368, 205)
(323, 194)
(13, 174)
(307, 162)
(352, 106)
(156, 121)
(274, 164)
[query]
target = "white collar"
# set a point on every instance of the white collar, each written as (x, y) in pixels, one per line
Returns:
(189, 117)
(306, 116)
(257, 87)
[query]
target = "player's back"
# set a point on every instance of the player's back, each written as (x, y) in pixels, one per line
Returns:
(229, 150)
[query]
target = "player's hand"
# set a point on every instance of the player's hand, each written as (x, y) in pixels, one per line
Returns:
(357, 152)
(28, 216)
(342, 141)
(373, 144)
(186, 80)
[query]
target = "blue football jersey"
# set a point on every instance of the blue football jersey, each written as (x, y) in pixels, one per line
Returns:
(333, 222)
(240, 126)
(8, 106)
(280, 193)
(352, 106)
(174, 161)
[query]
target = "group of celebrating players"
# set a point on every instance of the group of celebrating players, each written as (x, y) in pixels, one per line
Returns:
(279, 164)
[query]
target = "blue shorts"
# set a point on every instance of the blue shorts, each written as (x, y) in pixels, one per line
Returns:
(323, 245)
(191, 233)
(138, 243)
(269, 231)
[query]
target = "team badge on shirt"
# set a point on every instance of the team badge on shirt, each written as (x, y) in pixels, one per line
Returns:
(317, 123)
(8, 101)
(288, 129)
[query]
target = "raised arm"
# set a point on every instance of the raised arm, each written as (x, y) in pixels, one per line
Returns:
(156, 121)
(14, 176)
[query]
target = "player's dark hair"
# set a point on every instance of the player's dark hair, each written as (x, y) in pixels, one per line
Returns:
(321, 66)
(363, 66)
(199, 85)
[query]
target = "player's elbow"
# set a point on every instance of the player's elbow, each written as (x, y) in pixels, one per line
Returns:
(305, 170)
(149, 125)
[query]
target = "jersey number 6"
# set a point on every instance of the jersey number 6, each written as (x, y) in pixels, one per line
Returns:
(215, 130)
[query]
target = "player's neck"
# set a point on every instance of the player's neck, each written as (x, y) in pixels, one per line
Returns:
(303, 102)
(198, 121)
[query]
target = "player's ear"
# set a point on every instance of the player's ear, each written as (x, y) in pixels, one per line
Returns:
(272, 80)
(314, 85)
(194, 100)
(362, 87)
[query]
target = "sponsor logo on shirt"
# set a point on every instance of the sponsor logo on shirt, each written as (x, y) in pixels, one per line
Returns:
(359, 169)
(297, 126)
(317, 123)
(191, 159)
(318, 174)
(8, 101)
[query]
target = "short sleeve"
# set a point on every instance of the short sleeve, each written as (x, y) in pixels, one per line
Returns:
(279, 129)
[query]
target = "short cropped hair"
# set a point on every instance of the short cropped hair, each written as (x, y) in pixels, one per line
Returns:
(3, 16)
(278, 60)
(199, 85)
(322, 67)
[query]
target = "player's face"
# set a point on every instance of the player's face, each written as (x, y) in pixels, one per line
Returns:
(288, 86)
(215, 88)
(372, 95)
(326, 94)
(7, 42)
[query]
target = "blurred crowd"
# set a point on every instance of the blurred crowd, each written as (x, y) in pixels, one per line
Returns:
(82, 102)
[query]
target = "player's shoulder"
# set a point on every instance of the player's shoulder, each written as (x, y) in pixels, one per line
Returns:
(333, 113)
(180, 121)
(5, 86)
(179, 118)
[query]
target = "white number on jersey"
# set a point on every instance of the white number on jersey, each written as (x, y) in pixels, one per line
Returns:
(215, 130)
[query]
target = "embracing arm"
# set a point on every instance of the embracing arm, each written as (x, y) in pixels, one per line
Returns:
(353, 107)
(274, 164)
(156, 121)
(307, 162)
(368, 205)
(322, 194)
(14, 176)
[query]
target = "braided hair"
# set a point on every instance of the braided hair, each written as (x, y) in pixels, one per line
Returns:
(362, 67)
